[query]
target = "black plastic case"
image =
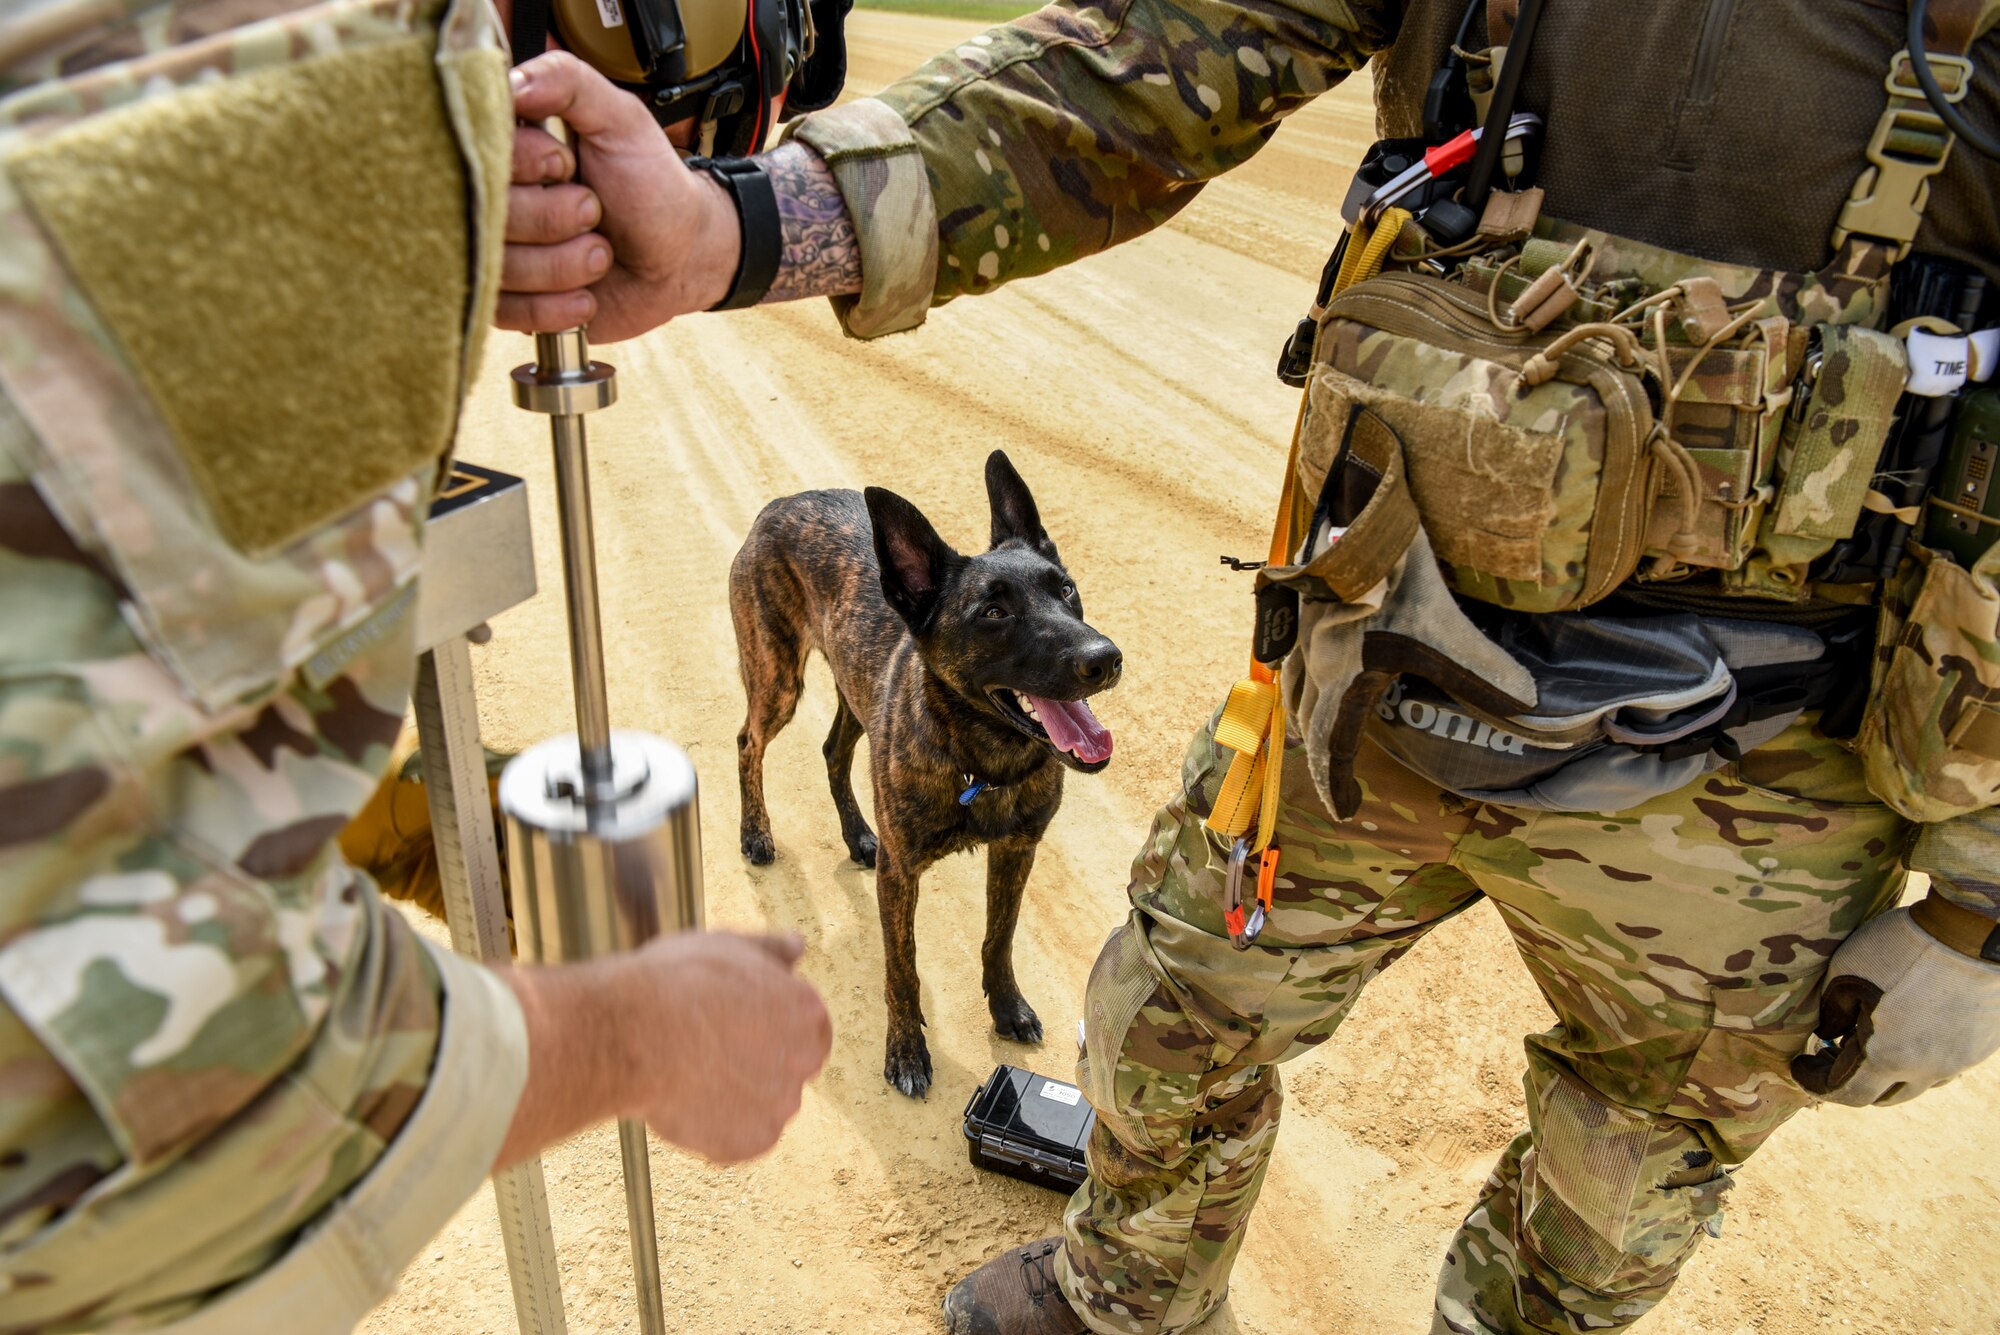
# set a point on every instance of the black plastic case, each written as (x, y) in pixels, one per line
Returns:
(1029, 1126)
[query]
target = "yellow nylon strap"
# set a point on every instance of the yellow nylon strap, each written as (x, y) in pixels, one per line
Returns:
(1253, 721)
(1274, 773)
(1367, 251)
(1256, 717)
(1252, 717)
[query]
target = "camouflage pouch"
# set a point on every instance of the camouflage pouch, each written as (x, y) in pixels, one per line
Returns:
(1930, 741)
(1833, 436)
(243, 284)
(1723, 343)
(1533, 490)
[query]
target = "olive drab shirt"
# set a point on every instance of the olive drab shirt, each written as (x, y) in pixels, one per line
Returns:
(1729, 131)
(247, 250)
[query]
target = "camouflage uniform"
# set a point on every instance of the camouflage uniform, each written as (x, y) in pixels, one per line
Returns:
(212, 1029)
(1682, 943)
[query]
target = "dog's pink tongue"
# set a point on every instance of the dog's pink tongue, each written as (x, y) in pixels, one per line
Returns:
(1073, 728)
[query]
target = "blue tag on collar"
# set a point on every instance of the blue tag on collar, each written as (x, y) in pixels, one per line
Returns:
(965, 798)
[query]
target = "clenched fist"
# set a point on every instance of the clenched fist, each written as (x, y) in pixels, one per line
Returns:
(610, 230)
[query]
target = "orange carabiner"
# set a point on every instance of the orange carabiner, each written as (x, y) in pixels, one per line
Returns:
(1267, 877)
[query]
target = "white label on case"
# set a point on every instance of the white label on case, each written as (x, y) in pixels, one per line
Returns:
(613, 16)
(1060, 1093)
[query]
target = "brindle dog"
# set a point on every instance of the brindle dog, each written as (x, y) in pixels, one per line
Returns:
(967, 673)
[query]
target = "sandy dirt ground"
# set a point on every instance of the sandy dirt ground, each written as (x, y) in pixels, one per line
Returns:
(1135, 394)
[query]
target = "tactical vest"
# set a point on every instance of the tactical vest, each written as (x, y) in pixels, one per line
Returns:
(1582, 415)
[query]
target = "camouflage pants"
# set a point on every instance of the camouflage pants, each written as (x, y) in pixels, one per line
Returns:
(1681, 946)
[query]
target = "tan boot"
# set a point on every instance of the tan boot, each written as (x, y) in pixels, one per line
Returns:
(1015, 1293)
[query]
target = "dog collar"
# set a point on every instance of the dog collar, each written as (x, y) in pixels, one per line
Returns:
(974, 786)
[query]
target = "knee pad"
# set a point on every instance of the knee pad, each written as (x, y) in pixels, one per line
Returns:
(1143, 1059)
(1614, 1199)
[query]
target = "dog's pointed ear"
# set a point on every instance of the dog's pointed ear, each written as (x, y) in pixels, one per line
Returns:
(1015, 518)
(915, 561)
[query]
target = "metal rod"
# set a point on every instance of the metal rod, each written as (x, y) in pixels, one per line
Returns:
(564, 360)
(639, 1221)
(568, 354)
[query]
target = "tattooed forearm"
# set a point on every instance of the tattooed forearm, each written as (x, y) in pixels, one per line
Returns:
(821, 256)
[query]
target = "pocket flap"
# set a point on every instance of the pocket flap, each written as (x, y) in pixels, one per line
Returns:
(250, 215)
(1366, 499)
(1832, 459)
(237, 371)
(1488, 485)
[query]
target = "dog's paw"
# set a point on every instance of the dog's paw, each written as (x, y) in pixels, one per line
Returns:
(1015, 1019)
(908, 1067)
(760, 849)
(862, 850)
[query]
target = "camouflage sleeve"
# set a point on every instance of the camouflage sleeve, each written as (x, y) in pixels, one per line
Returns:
(1064, 133)
(350, 1253)
(213, 1035)
(219, 1052)
(1962, 857)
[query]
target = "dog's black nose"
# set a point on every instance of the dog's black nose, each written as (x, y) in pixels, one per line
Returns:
(1099, 665)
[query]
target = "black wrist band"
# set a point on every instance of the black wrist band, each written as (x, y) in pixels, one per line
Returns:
(757, 216)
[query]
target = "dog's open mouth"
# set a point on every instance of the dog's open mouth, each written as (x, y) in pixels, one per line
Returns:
(1067, 725)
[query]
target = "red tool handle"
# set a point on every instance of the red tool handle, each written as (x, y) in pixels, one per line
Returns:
(1454, 152)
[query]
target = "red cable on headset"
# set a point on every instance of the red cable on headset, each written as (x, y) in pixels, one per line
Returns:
(757, 75)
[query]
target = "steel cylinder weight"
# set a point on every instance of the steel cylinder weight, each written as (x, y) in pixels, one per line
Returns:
(596, 873)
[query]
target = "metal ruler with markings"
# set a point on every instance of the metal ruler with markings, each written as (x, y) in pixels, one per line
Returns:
(478, 562)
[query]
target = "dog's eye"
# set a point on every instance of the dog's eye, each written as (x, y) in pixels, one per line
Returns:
(994, 613)
(1068, 590)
